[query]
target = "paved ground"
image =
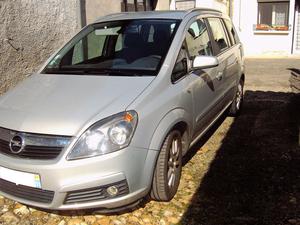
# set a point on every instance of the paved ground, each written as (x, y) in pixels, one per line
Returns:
(270, 75)
(245, 171)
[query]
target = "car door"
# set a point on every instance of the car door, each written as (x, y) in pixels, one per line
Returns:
(203, 84)
(236, 60)
(228, 62)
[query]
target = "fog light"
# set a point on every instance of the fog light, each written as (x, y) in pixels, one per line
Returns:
(112, 191)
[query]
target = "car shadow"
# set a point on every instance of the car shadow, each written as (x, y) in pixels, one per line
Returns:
(255, 175)
(96, 211)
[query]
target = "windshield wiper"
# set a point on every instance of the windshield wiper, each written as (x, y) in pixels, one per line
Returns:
(97, 71)
(69, 70)
(119, 72)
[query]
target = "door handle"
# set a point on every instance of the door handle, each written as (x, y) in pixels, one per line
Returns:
(219, 75)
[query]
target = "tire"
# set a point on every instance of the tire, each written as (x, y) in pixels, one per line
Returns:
(238, 100)
(168, 168)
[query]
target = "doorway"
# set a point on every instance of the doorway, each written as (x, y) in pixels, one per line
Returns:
(296, 44)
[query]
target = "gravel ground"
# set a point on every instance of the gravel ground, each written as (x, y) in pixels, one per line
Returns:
(244, 171)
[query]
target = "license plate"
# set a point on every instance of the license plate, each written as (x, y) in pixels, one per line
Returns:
(20, 178)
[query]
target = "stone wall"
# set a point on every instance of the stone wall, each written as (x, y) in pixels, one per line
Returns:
(30, 31)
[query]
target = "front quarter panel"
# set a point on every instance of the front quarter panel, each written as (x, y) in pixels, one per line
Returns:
(159, 112)
(164, 126)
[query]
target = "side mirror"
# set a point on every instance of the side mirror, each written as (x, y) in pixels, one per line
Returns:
(205, 62)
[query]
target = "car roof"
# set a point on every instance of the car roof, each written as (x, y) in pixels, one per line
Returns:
(171, 14)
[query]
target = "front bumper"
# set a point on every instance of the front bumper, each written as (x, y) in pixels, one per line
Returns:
(132, 165)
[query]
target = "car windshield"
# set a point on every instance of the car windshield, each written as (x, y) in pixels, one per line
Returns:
(126, 48)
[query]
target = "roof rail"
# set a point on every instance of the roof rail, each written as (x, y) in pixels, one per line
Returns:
(204, 10)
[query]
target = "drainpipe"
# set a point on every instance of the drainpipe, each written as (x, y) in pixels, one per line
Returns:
(240, 15)
(153, 4)
(230, 9)
(82, 23)
(82, 13)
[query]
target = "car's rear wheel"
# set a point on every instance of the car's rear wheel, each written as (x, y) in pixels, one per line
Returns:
(237, 103)
(168, 168)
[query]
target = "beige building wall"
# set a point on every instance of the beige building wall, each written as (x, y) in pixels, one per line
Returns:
(98, 8)
(163, 5)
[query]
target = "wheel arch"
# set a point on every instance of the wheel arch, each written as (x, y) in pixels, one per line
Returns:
(175, 119)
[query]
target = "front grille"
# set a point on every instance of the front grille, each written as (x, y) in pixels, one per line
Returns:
(31, 146)
(31, 151)
(28, 193)
(96, 193)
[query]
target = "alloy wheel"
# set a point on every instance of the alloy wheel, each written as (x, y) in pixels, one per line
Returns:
(173, 162)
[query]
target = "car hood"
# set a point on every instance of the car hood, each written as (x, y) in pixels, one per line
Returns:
(65, 104)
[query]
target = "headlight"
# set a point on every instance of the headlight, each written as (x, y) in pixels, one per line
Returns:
(105, 136)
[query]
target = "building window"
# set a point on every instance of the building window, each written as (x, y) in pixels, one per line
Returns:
(273, 15)
(135, 5)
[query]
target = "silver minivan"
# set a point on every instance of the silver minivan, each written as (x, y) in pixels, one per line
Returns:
(108, 118)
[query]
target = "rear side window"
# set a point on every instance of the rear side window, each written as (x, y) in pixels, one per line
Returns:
(219, 34)
(231, 31)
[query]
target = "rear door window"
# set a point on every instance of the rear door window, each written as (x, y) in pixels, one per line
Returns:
(219, 34)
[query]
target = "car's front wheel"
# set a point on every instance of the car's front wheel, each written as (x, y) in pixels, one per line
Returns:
(168, 168)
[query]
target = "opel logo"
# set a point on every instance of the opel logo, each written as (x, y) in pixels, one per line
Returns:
(16, 144)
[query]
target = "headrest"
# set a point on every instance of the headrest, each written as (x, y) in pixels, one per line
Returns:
(161, 36)
(132, 40)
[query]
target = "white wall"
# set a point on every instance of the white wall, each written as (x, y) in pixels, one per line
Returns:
(255, 43)
(215, 4)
